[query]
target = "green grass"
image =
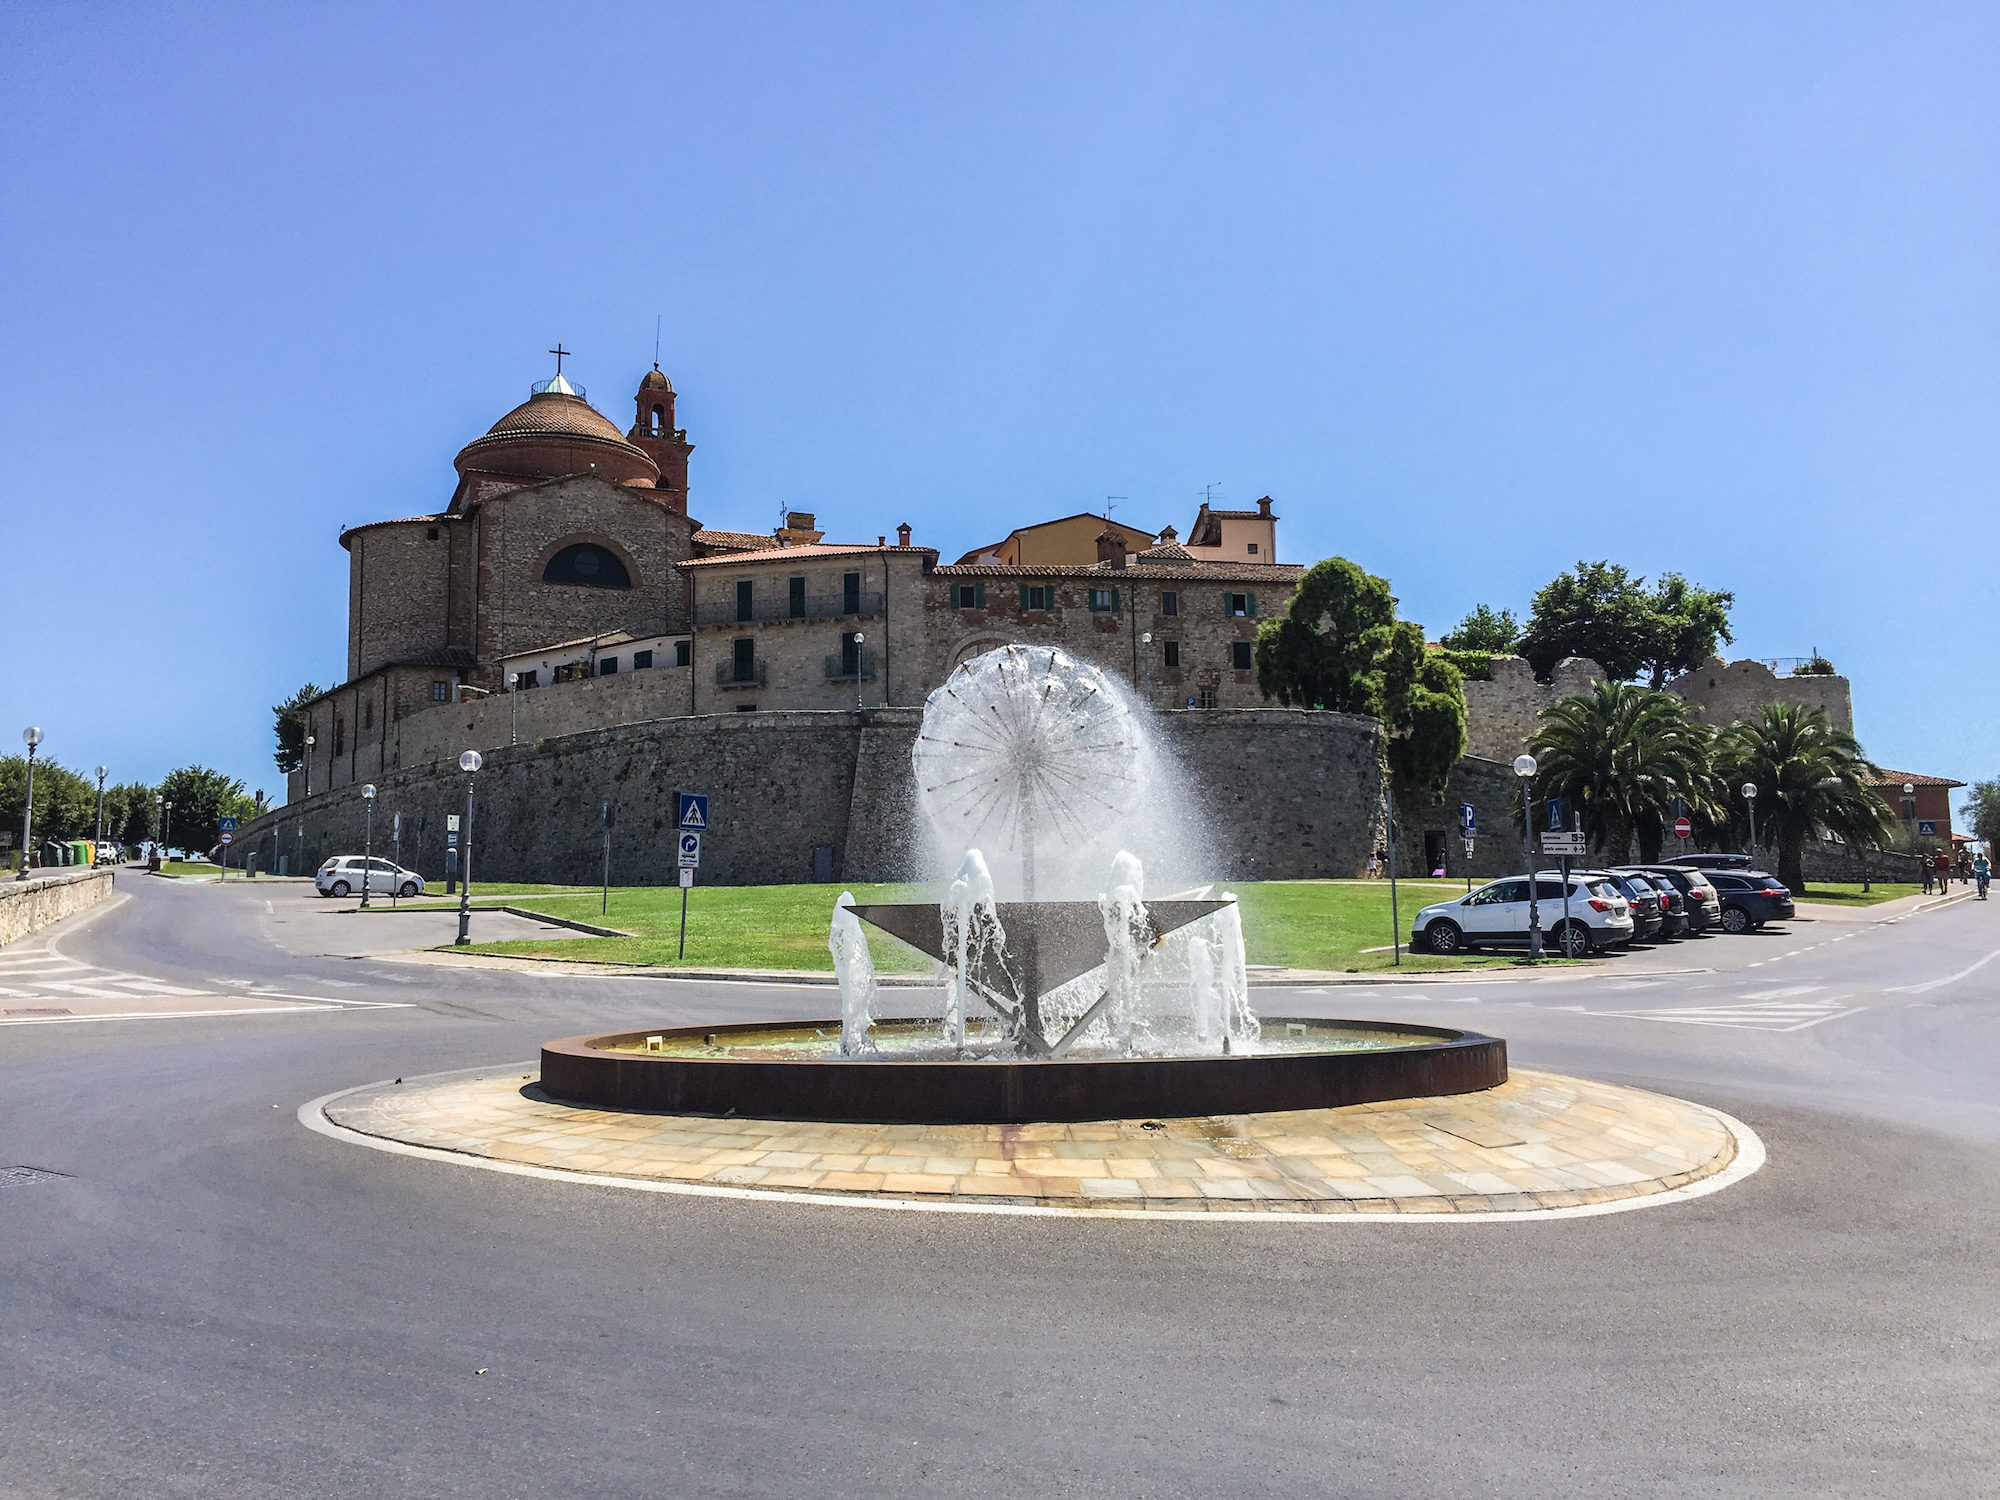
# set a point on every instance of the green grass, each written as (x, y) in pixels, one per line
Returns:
(1853, 895)
(1305, 924)
(193, 867)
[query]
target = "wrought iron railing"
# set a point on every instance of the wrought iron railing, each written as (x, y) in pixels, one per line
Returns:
(729, 674)
(765, 610)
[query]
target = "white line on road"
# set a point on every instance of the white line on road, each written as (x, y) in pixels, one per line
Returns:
(1933, 984)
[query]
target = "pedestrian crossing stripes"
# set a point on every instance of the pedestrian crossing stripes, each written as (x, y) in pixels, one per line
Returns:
(1780, 1010)
(39, 985)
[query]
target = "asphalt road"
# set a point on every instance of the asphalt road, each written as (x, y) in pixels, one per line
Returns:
(213, 1301)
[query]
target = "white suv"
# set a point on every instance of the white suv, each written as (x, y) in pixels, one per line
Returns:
(341, 876)
(1496, 916)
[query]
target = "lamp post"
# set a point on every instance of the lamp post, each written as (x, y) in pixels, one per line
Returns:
(469, 762)
(1146, 640)
(1750, 801)
(308, 767)
(1524, 767)
(367, 838)
(166, 826)
(858, 638)
(102, 772)
(513, 708)
(31, 737)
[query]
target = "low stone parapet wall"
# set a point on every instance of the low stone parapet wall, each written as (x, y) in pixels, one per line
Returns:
(30, 905)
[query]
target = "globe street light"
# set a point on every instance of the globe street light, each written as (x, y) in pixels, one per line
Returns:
(1146, 640)
(307, 767)
(30, 737)
(858, 638)
(102, 772)
(166, 826)
(1524, 767)
(469, 762)
(367, 837)
(513, 708)
(1750, 801)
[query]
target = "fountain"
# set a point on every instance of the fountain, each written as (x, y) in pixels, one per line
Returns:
(1066, 992)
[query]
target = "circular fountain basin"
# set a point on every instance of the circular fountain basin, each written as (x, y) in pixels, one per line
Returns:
(794, 1071)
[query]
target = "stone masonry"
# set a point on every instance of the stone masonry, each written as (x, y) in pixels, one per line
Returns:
(1723, 692)
(1502, 715)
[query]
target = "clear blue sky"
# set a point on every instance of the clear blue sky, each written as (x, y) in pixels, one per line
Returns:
(1474, 291)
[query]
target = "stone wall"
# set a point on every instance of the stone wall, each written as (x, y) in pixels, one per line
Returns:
(30, 905)
(1280, 795)
(1496, 847)
(1723, 692)
(1502, 715)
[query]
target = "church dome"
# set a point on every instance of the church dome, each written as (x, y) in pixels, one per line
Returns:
(553, 433)
(656, 380)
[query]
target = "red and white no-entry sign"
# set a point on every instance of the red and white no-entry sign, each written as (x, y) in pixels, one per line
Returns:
(1682, 828)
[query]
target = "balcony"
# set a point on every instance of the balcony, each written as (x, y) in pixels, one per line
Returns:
(729, 675)
(840, 667)
(766, 611)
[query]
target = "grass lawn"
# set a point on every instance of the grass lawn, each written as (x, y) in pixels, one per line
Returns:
(1305, 924)
(1853, 895)
(194, 867)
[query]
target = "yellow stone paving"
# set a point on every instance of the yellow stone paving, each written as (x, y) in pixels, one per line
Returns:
(1539, 1140)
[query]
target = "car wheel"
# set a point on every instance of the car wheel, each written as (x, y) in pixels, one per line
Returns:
(409, 888)
(1444, 936)
(1573, 940)
(1735, 920)
(340, 889)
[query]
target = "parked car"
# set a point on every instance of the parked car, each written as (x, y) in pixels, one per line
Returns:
(341, 876)
(1749, 899)
(1496, 916)
(1673, 910)
(1648, 916)
(1698, 901)
(1711, 861)
(110, 854)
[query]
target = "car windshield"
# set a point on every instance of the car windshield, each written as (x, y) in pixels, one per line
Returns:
(1605, 889)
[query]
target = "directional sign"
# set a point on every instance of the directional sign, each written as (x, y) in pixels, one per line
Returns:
(690, 850)
(1562, 843)
(1467, 819)
(687, 879)
(694, 811)
(227, 825)
(1682, 828)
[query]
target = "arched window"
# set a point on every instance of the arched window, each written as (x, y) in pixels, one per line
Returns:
(659, 419)
(588, 565)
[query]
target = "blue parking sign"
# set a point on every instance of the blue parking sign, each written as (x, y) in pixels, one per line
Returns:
(1467, 819)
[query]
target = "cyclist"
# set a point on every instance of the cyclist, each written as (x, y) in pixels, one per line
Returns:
(1983, 873)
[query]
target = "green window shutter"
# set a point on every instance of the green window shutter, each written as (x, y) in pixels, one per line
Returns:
(1251, 600)
(1024, 596)
(979, 596)
(1114, 601)
(1225, 604)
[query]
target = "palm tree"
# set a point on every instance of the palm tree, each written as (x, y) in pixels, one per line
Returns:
(1810, 779)
(1622, 754)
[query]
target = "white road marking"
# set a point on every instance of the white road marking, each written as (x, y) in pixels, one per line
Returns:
(1934, 984)
(1756, 1015)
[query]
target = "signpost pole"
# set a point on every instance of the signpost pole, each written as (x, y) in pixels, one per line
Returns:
(605, 907)
(1395, 914)
(694, 823)
(684, 919)
(396, 843)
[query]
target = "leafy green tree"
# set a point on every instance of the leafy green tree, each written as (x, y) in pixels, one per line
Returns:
(1690, 624)
(202, 799)
(65, 803)
(1810, 779)
(1486, 629)
(1622, 755)
(1982, 811)
(1339, 646)
(1603, 612)
(129, 813)
(290, 719)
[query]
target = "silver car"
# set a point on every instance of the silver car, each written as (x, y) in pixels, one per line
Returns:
(342, 876)
(1496, 916)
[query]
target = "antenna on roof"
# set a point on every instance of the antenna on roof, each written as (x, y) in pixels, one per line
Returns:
(1110, 505)
(1208, 492)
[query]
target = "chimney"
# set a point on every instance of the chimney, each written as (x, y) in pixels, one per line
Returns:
(903, 535)
(1264, 508)
(1111, 547)
(1168, 536)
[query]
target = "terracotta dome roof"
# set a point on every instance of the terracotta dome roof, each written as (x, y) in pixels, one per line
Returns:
(549, 412)
(655, 381)
(554, 433)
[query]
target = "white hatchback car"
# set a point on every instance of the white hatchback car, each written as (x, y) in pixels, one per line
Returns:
(342, 876)
(1496, 916)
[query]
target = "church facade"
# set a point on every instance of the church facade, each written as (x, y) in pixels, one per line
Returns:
(567, 553)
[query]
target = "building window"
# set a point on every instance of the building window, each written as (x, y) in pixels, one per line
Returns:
(1037, 596)
(440, 692)
(746, 708)
(367, 716)
(683, 653)
(968, 596)
(1170, 604)
(1173, 653)
(1103, 599)
(527, 679)
(1241, 606)
(607, 666)
(743, 660)
(431, 534)
(850, 655)
(339, 735)
(1253, 549)
(1239, 655)
(641, 660)
(850, 593)
(797, 598)
(743, 600)
(587, 565)
(1208, 697)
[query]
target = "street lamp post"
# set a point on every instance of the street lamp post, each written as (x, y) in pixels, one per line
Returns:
(102, 772)
(1146, 640)
(308, 766)
(1750, 801)
(858, 638)
(166, 827)
(513, 708)
(469, 762)
(1524, 767)
(367, 837)
(31, 737)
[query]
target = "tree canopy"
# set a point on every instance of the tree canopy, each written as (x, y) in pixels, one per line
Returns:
(290, 719)
(1982, 811)
(201, 799)
(1810, 779)
(1485, 629)
(1622, 755)
(1604, 612)
(1339, 646)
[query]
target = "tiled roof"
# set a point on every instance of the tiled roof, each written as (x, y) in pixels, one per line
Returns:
(771, 553)
(1884, 777)
(615, 638)
(1241, 515)
(1217, 572)
(1170, 552)
(736, 541)
(349, 531)
(551, 411)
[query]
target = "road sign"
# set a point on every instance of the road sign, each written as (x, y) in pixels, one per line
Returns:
(1562, 843)
(227, 825)
(1682, 828)
(451, 839)
(1467, 819)
(1926, 828)
(451, 822)
(1557, 809)
(609, 815)
(690, 850)
(229, 838)
(687, 879)
(694, 810)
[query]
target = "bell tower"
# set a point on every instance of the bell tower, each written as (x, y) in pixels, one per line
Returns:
(654, 433)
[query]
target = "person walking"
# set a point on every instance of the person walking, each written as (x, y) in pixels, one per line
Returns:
(1942, 861)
